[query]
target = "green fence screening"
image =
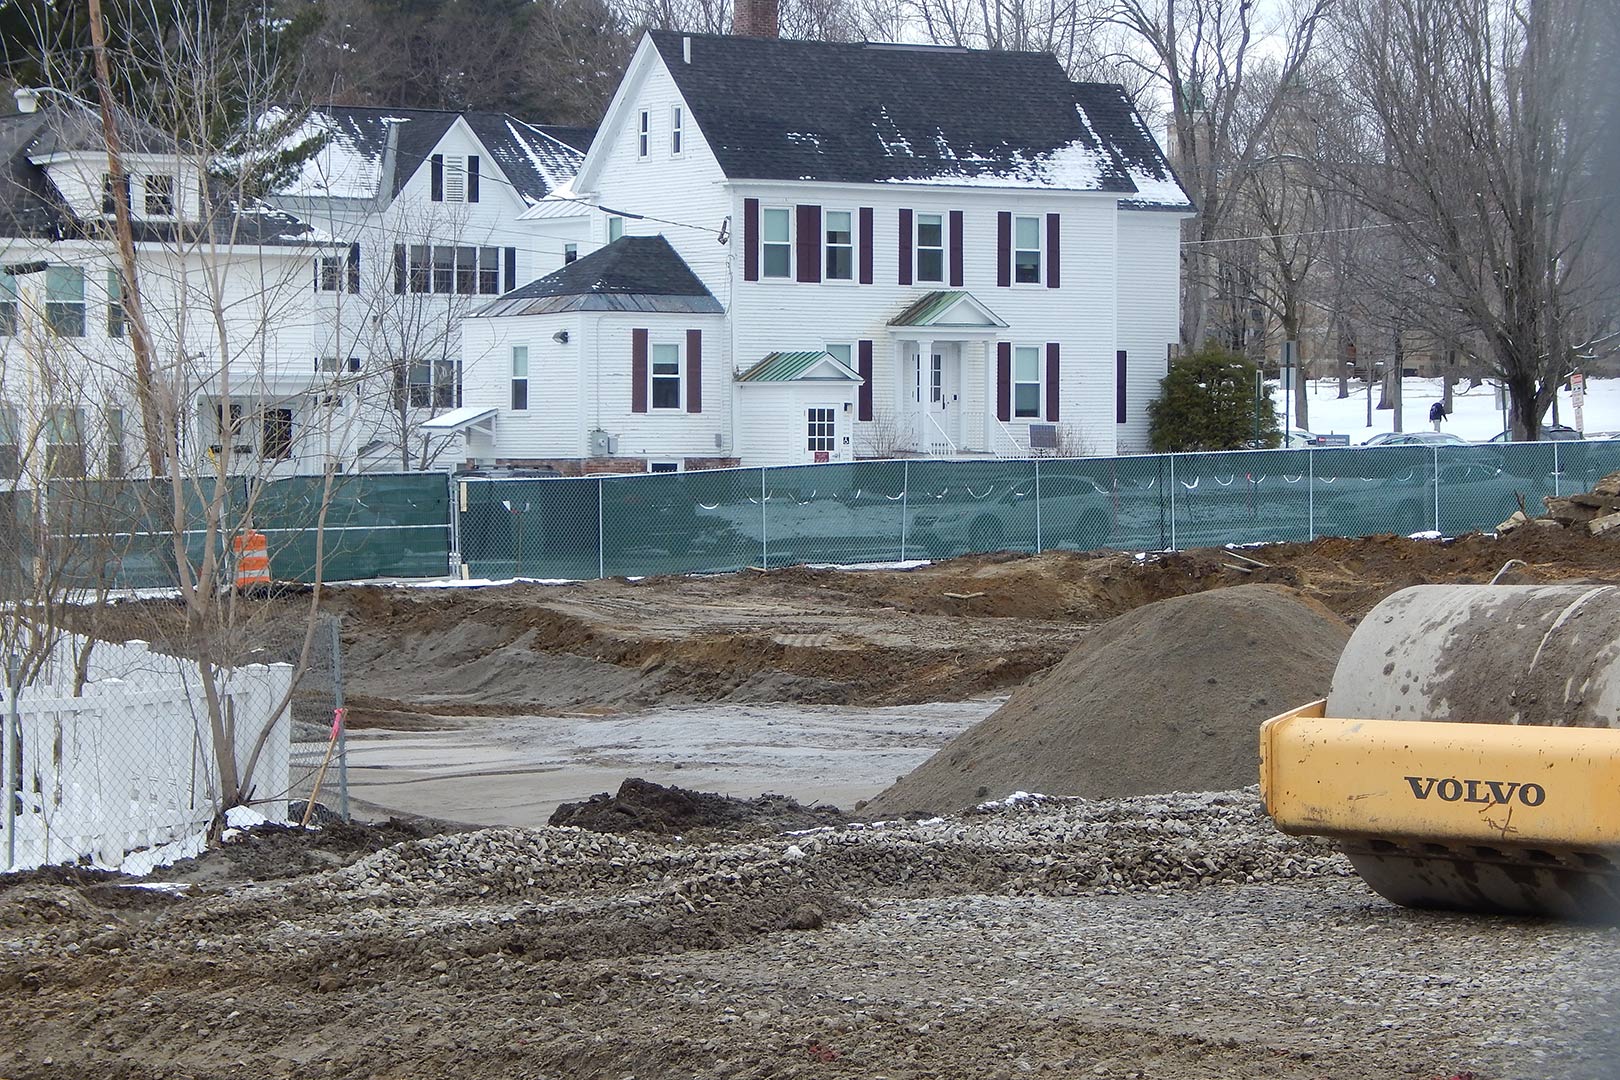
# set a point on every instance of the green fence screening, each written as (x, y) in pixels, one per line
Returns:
(121, 533)
(886, 511)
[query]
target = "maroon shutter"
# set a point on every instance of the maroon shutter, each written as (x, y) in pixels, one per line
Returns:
(956, 249)
(694, 371)
(864, 367)
(866, 245)
(808, 242)
(638, 371)
(1004, 249)
(1003, 381)
(905, 247)
(750, 239)
(1054, 248)
(1052, 382)
(1119, 387)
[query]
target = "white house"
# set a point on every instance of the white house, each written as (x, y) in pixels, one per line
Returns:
(426, 204)
(880, 249)
(224, 284)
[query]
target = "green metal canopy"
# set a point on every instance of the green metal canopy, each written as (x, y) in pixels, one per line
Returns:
(955, 308)
(795, 366)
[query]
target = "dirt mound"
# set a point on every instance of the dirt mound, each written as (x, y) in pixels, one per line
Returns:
(1166, 698)
(642, 806)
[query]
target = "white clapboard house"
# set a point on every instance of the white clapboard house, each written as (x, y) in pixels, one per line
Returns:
(803, 251)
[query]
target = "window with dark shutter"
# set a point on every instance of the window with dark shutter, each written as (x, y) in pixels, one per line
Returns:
(750, 239)
(472, 177)
(1119, 387)
(905, 247)
(1003, 381)
(399, 268)
(809, 243)
(437, 182)
(956, 249)
(694, 371)
(638, 371)
(353, 275)
(1004, 249)
(1054, 233)
(511, 268)
(1052, 367)
(864, 367)
(866, 245)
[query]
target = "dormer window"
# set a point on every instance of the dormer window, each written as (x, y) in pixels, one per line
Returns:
(109, 204)
(160, 196)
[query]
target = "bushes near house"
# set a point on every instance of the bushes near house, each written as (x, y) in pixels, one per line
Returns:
(1208, 402)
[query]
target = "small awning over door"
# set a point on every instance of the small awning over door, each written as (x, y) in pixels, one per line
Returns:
(468, 418)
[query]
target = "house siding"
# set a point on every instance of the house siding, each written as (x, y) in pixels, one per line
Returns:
(1149, 312)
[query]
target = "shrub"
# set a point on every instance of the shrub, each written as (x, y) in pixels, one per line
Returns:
(1207, 402)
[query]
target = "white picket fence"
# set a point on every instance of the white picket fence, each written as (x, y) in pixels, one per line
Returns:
(128, 763)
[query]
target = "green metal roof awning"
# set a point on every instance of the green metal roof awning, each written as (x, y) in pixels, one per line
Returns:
(932, 308)
(793, 366)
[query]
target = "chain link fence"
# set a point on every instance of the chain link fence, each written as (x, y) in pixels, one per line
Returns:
(318, 768)
(889, 511)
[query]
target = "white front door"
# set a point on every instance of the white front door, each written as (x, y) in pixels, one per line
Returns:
(821, 435)
(944, 398)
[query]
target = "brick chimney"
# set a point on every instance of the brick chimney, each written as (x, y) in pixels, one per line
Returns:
(755, 18)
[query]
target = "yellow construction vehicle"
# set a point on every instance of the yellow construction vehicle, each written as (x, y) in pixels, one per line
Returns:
(1467, 755)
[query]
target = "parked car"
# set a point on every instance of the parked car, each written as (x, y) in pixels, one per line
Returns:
(1549, 433)
(1298, 437)
(1416, 438)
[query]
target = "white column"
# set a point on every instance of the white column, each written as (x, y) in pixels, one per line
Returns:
(990, 429)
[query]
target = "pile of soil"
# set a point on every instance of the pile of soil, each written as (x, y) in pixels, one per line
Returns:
(642, 806)
(1169, 697)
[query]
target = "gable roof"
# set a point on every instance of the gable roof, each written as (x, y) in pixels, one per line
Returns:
(932, 309)
(774, 109)
(634, 273)
(355, 162)
(780, 367)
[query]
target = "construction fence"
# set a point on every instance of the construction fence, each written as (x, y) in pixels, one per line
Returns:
(887, 511)
(90, 534)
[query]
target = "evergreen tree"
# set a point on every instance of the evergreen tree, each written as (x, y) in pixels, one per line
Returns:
(1207, 402)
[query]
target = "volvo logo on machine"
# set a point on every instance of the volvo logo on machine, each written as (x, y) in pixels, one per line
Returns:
(1485, 792)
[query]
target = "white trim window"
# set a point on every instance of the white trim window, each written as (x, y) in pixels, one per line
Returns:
(1027, 261)
(160, 196)
(821, 429)
(664, 467)
(1026, 380)
(776, 242)
(665, 375)
(644, 134)
(838, 245)
(930, 247)
(520, 378)
(615, 228)
(677, 130)
(843, 352)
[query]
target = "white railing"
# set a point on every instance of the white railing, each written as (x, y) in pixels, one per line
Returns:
(1018, 449)
(934, 444)
(128, 762)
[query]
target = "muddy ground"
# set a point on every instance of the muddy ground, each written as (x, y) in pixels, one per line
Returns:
(1163, 937)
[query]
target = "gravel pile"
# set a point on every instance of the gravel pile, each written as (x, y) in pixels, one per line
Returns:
(1025, 844)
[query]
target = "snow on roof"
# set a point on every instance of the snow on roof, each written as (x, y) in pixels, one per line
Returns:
(348, 166)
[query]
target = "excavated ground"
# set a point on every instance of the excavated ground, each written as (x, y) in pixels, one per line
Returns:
(1167, 936)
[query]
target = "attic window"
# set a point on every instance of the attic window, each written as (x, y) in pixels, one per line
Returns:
(109, 203)
(677, 130)
(455, 179)
(160, 196)
(645, 134)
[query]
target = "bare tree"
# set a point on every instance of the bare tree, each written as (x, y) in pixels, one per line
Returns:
(1484, 160)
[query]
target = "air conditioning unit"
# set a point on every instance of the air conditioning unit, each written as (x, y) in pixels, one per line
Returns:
(1043, 436)
(603, 444)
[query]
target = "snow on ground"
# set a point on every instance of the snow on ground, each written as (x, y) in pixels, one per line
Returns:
(1475, 414)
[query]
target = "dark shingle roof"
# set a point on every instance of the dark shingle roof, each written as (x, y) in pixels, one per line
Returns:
(1114, 118)
(634, 273)
(864, 113)
(535, 159)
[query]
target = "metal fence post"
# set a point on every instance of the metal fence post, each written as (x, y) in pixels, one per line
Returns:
(764, 526)
(1173, 503)
(342, 721)
(1436, 488)
(1556, 476)
(1310, 491)
(905, 514)
(601, 538)
(12, 755)
(1038, 546)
